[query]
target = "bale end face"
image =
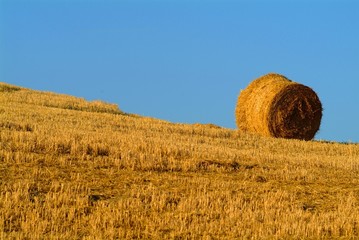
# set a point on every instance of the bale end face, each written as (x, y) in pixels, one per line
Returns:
(296, 113)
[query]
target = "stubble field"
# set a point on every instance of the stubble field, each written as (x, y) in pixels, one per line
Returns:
(73, 169)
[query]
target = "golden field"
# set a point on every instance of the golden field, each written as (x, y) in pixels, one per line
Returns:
(73, 169)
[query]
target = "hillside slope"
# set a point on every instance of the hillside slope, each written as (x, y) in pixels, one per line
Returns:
(76, 169)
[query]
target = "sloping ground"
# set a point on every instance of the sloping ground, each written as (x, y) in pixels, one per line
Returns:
(48, 99)
(74, 169)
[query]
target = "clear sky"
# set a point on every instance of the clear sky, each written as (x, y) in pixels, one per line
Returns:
(185, 61)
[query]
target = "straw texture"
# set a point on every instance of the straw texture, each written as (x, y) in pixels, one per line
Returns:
(275, 106)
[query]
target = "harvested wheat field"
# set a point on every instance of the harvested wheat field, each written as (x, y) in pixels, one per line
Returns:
(275, 106)
(72, 169)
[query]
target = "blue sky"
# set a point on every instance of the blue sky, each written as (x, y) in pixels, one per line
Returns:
(185, 61)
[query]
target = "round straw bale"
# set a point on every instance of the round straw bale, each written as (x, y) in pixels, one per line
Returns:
(275, 106)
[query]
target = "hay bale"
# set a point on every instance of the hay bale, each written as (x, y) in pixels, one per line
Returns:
(275, 106)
